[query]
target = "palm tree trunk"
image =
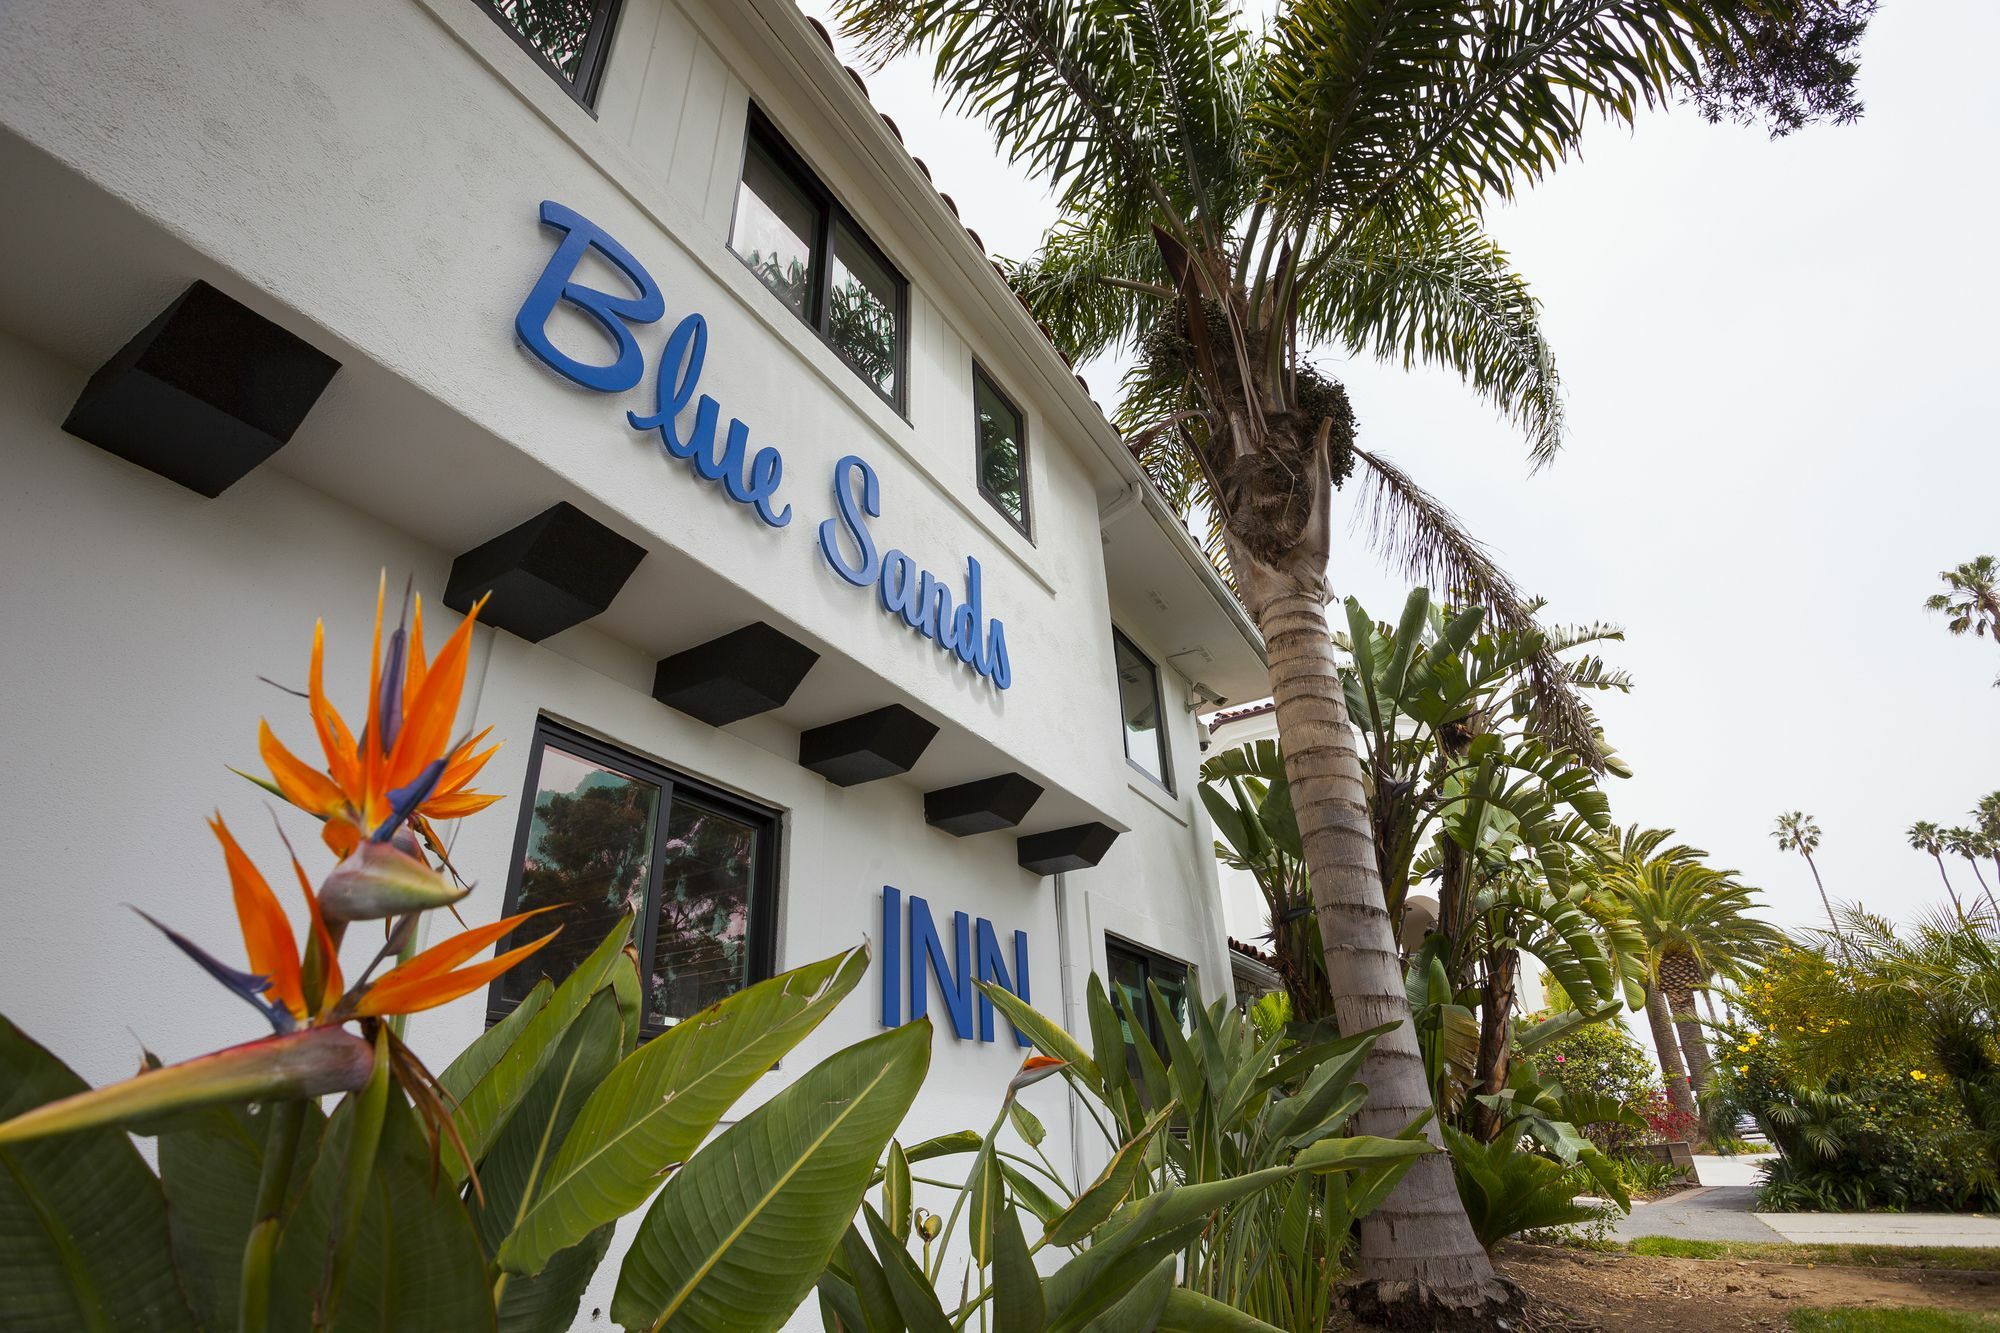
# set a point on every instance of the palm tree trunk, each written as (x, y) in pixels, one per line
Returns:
(1694, 1042)
(1977, 874)
(1824, 901)
(1950, 892)
(1673, 1073)
(1496, 1019)
(1419, 1263)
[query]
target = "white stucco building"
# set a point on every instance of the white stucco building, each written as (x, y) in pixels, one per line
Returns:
(293, 294)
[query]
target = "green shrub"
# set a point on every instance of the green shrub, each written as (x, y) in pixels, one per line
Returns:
(1889, 1321)
(1600, 1059)
(1508, 1190)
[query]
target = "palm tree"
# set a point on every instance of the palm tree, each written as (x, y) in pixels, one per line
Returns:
(1987, 815)
(1797, 831)
(1971, 599)
(1695, 929)
(1928, 838)
(1972, 844)
(1232, 200)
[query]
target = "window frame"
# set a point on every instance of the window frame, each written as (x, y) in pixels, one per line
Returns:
(1025, 525)
(763, 903)
(1148, 958)
(761, 132)
(1166, 779)
(590, 62)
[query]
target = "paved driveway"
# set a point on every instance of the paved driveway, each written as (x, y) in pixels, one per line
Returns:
(1722, 1209)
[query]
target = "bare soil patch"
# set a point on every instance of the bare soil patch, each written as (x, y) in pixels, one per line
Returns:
(1582, 1291)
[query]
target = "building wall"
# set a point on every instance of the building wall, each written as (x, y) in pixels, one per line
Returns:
(368, 175)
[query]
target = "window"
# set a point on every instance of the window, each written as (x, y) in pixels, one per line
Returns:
(1001, 447)
(566, 37)
(605, 833)
(813, 257)
(1131, 967)
(1139, 702)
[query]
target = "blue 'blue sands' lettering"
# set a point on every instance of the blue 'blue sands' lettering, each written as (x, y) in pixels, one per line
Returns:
(924, 601)
(680, 371)
(919, 597)
(926, 955)
(610, 311)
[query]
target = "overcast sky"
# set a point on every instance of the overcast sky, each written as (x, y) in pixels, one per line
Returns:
(1780, 360)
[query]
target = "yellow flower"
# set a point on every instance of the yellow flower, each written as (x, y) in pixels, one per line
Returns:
(1743, 1069)
(1917, 1074)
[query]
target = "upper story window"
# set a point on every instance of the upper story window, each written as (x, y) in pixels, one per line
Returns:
(1001, 442)
(1139, 703)
(808, 251)
(568, 38)
(605, 833)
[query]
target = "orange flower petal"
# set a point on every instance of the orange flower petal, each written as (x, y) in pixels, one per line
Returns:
(429, 715)
(307, 788)
(450, 953)
(413, 678)
(465, 763)
(459, 804)
(411, 994)
(334, 737)
(268, 941)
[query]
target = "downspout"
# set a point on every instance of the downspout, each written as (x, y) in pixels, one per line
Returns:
(1063, 974)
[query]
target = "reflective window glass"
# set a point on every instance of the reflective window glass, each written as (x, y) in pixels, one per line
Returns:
(1139, 702)
(567, 37)
(610, 835)
(775, 229)
(701, 949)
(589, 856)
(1002, 441)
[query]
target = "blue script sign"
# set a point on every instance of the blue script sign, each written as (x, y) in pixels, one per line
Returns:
(926, 960)
(922, 600)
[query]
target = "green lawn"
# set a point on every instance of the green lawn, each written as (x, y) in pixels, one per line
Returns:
(1888, 1321)
(1857, 1256)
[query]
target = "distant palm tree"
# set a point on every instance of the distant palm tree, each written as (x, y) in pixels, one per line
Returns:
(1972, 844)
(1928, 838)
(1971, 599)
(1797, 831)
(1987, 815)
(1697, 925)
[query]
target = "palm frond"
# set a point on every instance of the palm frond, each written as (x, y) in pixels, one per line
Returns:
(1431, 286)
(1413, 530)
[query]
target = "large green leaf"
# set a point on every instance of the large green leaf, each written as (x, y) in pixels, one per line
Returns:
(1048, 1035)
(415, 1260)
(84, 1241)
(739, 1234)
(1191, 1312)
(520, 1157)
(484, 1107)
(210, 1164)
(663, 1100)
(548, 1301)
(1111, 1187)
(1018, 1306)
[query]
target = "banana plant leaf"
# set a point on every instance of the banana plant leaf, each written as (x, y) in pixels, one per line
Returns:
(656, 1107)
(83, 1221)
(740, 1234)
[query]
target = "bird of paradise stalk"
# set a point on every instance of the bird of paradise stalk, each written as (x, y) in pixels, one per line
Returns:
(379, 796)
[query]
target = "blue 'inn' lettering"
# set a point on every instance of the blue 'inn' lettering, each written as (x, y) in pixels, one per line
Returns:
(927, 959)
(923, 600)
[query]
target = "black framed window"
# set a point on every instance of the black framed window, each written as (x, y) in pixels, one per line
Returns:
(1130, 967)
(568, 38)
(799, 241)
(604, 833)
(1139, 707)
(1000, 439)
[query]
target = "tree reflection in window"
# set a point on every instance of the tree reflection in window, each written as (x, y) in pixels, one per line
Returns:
(701, 946)
(609, 835)
(589, 849)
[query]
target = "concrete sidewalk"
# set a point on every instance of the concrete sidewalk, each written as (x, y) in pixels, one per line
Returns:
(1722, 1209)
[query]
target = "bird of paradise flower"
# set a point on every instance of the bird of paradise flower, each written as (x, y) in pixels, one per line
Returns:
(380, 796)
